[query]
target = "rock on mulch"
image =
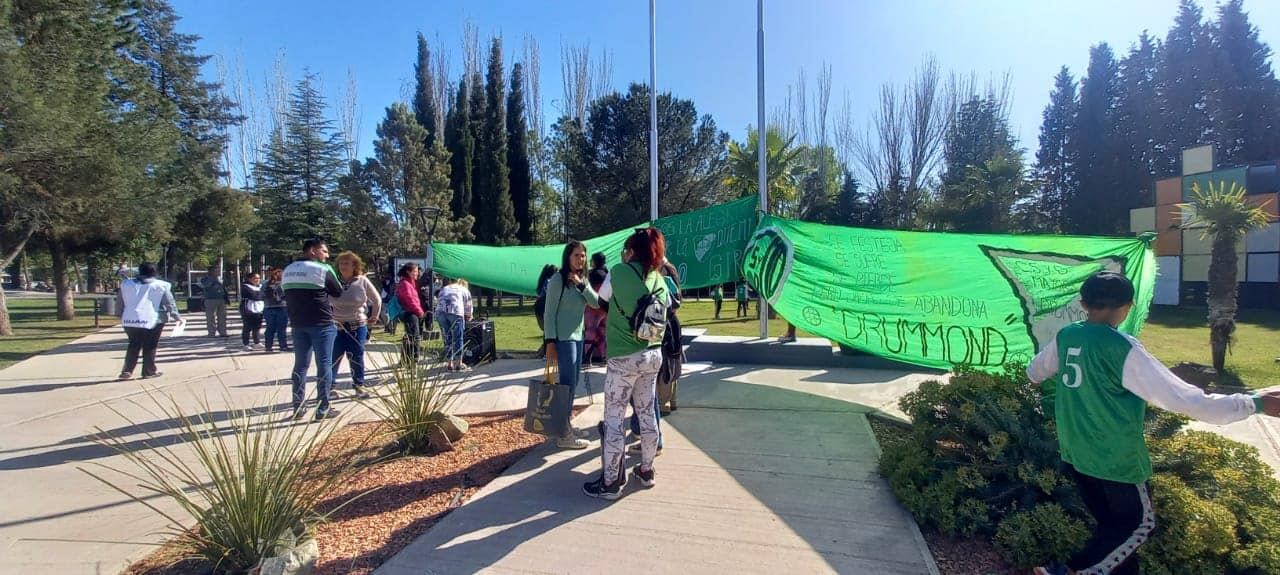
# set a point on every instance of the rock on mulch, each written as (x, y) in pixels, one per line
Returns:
(963, 556)
(403, 496)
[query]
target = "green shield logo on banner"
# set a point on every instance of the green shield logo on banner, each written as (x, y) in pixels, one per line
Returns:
(767, 262)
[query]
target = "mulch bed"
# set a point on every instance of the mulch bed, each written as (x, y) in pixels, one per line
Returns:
(965, 556)
(406, 496)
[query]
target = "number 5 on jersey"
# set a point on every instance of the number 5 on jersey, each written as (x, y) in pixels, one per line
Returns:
(1076, 376)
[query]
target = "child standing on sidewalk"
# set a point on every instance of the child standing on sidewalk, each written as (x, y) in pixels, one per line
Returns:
(1100, 381)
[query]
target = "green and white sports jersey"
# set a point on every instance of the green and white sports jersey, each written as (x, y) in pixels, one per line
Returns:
(1101, 381)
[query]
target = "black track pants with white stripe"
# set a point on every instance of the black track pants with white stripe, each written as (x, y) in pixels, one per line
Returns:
(1125, 520)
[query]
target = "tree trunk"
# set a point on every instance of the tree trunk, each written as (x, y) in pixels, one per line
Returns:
(1222, 296)
(62, 283)
(6, 328)
(91, 277)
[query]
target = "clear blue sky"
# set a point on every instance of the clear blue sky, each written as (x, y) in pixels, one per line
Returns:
(706, 48)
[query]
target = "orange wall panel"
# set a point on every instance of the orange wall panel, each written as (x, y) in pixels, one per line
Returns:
(1168, 191)
(1169, 243)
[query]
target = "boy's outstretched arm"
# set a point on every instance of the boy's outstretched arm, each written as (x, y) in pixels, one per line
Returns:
(1149, 379)
(1045, 364)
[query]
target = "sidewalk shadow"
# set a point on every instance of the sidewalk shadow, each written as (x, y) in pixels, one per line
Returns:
(818, 480)
(84, 448)
(515, 517)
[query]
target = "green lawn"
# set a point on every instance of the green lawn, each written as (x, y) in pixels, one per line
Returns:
(1179, 335)
(36, 330)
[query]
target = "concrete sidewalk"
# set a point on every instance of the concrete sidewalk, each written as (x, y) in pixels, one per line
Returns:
(57, 519)
(755, 478)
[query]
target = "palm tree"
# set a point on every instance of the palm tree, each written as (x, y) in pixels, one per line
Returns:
(1226, 218)
(784, 165)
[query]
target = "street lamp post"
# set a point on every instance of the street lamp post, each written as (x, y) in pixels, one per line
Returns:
(430, 217)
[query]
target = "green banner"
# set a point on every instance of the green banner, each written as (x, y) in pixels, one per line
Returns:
(705, 246)
(937, 299)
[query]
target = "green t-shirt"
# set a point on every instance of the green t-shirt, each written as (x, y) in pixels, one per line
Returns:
(742, 292)
(624, 280)
(717, 293)
(1100, 423)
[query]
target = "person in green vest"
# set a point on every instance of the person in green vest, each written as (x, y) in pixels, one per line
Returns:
(1097, 384)
(632, 374)
(741, 296)
(717, 296)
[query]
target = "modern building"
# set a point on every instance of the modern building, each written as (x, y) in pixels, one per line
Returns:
(1183, 255)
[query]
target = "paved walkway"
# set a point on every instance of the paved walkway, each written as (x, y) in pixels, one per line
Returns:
(57, 519)
(760, 475)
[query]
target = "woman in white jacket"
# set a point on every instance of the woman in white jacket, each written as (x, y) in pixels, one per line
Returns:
(145, 303)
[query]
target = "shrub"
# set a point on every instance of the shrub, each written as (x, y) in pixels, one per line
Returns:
(414, 404)
(1027, 538)
(253, 484)
(982, 460)
(980, 450)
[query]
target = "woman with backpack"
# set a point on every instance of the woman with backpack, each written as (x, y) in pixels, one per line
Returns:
(568, 296)
(672, 361)
(637, 296)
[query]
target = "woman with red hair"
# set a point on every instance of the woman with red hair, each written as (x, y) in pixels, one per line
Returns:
(633, 362)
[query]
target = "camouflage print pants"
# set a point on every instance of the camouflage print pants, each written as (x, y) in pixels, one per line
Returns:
(630, 380)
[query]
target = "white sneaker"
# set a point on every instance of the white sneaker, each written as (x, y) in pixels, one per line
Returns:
(248, 348)
(572, 443)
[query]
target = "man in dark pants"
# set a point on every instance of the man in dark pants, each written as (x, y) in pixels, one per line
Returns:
(308, 285)
(145, 302)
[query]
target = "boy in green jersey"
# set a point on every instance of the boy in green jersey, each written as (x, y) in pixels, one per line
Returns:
(1100, 382)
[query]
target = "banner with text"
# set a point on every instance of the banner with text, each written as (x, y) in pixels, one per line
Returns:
(705, 246)
(937, 299)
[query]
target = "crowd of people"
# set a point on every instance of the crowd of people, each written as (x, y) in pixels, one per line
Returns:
(320, 314)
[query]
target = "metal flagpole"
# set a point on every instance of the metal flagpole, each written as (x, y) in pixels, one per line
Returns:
(653, 112)
(762, 145)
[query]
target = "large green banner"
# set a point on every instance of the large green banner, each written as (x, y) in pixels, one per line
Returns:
(936, 299)
(705, 245)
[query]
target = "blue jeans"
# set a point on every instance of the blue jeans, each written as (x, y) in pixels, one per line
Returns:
(452, 329)
(569, 356)
(307, 340)
(351, 345)
(277, 322)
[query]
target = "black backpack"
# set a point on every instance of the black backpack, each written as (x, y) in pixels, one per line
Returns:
(649, 321)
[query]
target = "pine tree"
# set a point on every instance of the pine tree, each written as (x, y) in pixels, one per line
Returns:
(1095, 209)
(411, 176)
(984, 174)
(424, 94)
(298, 176)
(1246, 95)
(461, 146)
(1184, 82)
(518, 157)
(851, 206)
(497, 220)
(1055, 160)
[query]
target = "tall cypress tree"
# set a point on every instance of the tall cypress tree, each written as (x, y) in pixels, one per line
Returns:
(424, 94)
(1137, 125)
(1095, 210)
(1246, 96)
(1184, 81)
(461, 146)
(518, 157)
(1055, 160)
(497, 217)
(475, 129)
